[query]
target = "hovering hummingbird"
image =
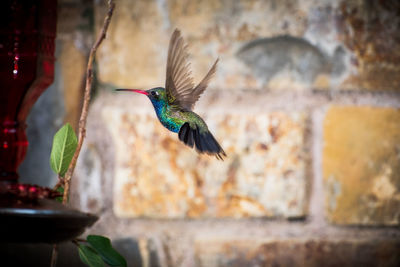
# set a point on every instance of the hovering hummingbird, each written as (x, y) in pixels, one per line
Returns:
(174, 103)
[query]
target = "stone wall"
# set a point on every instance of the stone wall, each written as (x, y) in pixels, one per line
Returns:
(305, 102)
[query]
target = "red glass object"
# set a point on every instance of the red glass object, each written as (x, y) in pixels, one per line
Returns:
(27, 34)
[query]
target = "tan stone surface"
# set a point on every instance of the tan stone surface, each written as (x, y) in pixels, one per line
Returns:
(361, 165)
(330, 44)
(136, 49)
(73, 41)
(134, 53)
(297, 252)
(73, 65)
(157, 176)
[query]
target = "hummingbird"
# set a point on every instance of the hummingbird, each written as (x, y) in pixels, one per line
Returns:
(174, 104)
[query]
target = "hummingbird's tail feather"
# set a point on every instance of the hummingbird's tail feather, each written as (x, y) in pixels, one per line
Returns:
(203, 141)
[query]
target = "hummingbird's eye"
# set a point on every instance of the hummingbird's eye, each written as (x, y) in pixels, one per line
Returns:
(154, 93)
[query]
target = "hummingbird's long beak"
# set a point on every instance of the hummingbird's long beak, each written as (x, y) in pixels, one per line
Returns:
(133, 90)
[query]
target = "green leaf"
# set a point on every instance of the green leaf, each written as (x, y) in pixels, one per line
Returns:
(90, 257)
(64, 146)
(60, 190)
(103, 246)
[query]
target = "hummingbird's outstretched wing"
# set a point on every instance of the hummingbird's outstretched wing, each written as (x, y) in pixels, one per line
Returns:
(199, 89)
(179, 82)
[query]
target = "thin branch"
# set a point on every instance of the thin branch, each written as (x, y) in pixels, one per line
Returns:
(54, 256)
(82, 120)
(86, 100)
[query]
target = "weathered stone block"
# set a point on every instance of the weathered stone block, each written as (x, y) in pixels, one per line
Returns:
(369, 30)
(158, 176)
(136, 49)
(295, 252)
(361, 165)
(284, 45)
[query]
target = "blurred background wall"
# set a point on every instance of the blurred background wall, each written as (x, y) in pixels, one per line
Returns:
(305, 102)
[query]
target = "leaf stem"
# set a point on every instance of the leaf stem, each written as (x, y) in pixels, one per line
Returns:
(60, 183)
(79, 240)
(86, 100)
(75, 241)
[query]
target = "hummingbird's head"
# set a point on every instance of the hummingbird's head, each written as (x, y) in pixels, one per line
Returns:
(157, 94)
